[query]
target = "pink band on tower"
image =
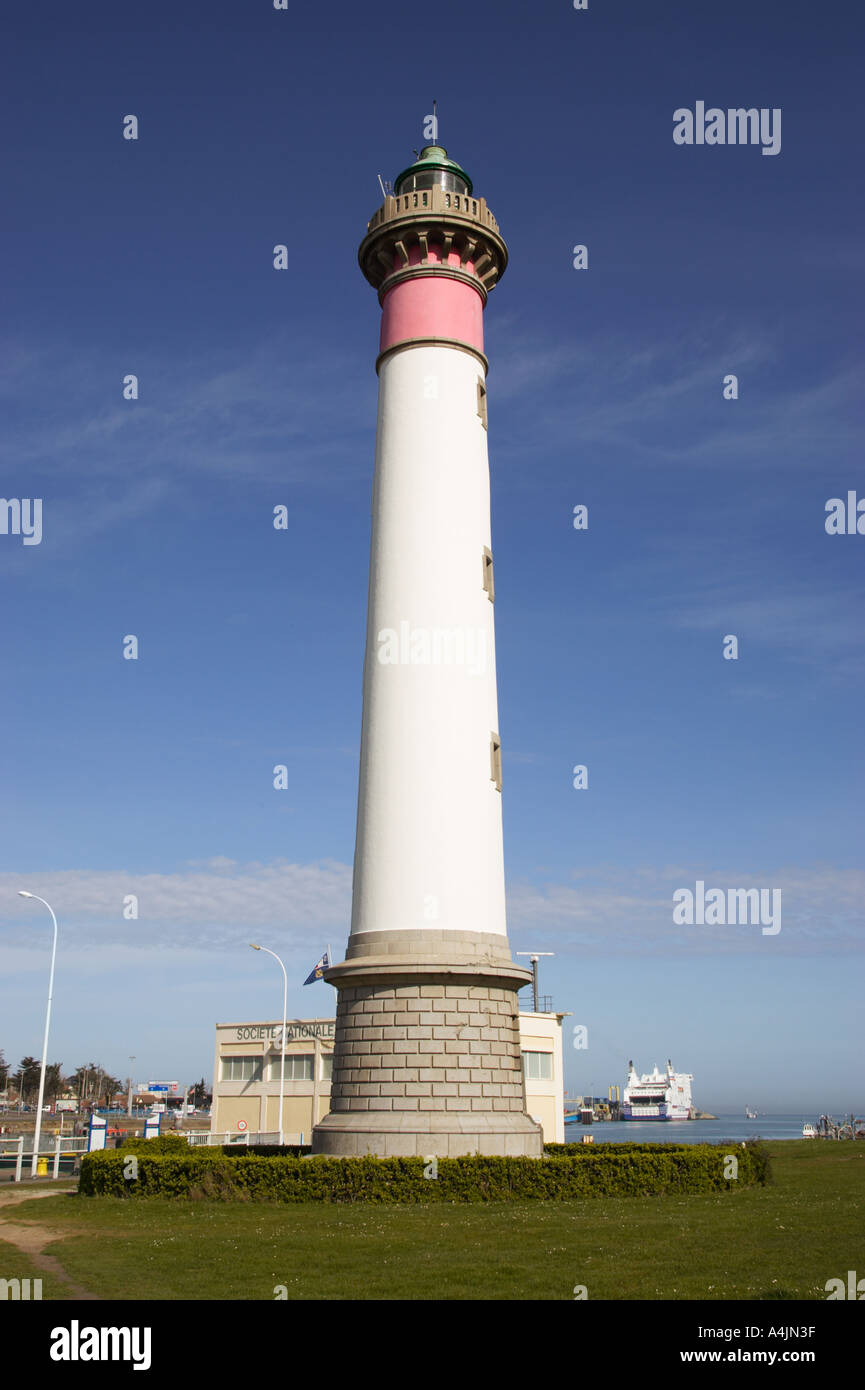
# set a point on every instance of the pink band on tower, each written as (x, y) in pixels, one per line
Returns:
(432, 308)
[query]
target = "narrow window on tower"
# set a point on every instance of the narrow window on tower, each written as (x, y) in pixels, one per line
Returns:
(496, 761)
(489, 584)
(482, 402)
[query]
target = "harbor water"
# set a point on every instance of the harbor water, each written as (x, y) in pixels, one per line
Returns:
(732, 1127)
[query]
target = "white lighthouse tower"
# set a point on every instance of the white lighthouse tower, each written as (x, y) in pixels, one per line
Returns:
(427, 1054)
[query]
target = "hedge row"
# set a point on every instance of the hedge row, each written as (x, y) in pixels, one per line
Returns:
(177, 1144)
(635, 1148)
(206, 1172)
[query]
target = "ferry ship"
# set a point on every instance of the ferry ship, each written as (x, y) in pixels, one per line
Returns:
(657, 1095)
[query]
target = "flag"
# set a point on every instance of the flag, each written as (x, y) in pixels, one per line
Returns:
(317, 972)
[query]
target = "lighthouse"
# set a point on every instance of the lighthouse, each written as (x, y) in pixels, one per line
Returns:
(427, 1048)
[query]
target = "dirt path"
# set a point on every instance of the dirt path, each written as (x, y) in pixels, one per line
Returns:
(31, 1239)
(11, 1195)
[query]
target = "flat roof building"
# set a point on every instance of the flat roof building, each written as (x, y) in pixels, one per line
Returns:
(246, 1072)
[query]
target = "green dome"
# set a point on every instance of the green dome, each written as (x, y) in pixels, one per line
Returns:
(433, 157)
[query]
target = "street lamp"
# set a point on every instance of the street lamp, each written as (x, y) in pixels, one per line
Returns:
(38, 1131)
(282, 1052)
(129, 1094)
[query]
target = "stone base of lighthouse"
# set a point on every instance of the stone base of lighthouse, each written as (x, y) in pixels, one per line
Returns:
(426, 1053)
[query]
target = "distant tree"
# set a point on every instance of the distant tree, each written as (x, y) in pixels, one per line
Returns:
(4, 1071)
(201, 1093)
(54, 1082)
(27, 1078)
(111, 1087)
(93, 1084)
(98, 1086)
(77, 1082)
(86, 1081)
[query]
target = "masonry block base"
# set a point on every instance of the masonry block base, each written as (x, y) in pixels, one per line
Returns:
(427, 1061)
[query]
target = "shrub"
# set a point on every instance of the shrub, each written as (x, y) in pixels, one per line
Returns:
(605, 1171)
(161, 1144)
(266, 1150)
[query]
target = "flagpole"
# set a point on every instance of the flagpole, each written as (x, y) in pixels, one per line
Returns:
(282, 1049)
(330, 962)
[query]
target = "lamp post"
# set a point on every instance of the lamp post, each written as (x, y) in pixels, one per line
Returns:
(37, 1134)
(129, 1092)
(284, 1012)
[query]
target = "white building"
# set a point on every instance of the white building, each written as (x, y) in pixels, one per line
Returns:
(247, 1066)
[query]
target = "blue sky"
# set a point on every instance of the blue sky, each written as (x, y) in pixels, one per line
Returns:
(257, 388)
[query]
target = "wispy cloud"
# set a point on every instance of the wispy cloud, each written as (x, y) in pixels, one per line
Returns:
(208, 906)
(656, 398)
(616, 911)
(99, 462)
(212, 906)
(261, 418)
(816, 626)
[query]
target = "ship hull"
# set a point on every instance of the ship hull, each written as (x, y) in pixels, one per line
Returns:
(655, 1112)
(657, 1095)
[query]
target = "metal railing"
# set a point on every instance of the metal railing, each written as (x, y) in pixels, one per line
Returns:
(545, 1005)
(64, 1146)
(71, 1146)
(208, 1139)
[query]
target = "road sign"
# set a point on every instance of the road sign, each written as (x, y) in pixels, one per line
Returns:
(96, 1132)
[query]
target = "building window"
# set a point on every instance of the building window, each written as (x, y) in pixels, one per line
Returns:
(538, 1066)
(298, 1066)
(496, 761)
(327, 1066)
(489, 585)
(241, 1068)
(482, 402)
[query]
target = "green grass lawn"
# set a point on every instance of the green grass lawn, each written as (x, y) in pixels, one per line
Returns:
(14, 1264)
(781, 1241)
